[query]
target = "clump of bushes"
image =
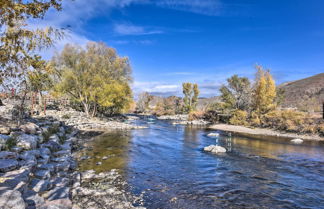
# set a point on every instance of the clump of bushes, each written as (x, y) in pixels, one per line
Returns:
(239, 117)
(195, 115)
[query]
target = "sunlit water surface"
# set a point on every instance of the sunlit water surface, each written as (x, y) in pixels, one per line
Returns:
(167, 163)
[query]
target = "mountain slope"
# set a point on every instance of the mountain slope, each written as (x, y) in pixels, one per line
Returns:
(306, 94)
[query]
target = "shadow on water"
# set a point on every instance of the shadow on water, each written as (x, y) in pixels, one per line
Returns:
(166, 163)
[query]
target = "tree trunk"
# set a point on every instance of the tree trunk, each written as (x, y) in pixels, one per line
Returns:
(94, 112)
(40, 101)
(86, 108)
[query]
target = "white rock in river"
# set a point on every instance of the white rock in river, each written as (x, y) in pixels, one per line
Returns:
(213, 134)
(297, 141)
(215, 149)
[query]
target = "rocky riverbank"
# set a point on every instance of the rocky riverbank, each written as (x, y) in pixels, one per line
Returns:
(182, 120)
(262, 133)
(38, 170)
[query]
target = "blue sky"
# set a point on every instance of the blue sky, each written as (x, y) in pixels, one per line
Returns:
(203, 41)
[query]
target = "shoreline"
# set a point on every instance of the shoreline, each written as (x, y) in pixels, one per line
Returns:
(261, 133)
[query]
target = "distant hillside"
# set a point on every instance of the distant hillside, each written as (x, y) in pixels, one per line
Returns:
(306, 94)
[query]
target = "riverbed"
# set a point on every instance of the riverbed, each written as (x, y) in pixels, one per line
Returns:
(166, 165)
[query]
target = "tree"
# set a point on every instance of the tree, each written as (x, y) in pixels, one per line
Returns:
(191, 93)
(39, 80)
(95, 77)
(237, 93)
(19, 44)
(143, 102)
(264, 91)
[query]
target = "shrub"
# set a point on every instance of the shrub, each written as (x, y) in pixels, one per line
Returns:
(239, 117)
(196, 115)
(255, 119)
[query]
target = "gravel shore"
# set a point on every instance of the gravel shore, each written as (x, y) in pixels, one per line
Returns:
(261, 132)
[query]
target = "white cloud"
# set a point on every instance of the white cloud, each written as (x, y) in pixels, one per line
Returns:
(129, 29)
(204, 7)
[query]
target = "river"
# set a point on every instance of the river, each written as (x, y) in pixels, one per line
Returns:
(167, 165)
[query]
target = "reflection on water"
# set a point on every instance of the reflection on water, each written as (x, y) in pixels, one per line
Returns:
(168, 164)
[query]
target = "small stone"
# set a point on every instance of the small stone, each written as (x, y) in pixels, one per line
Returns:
(104, 158)
(98, 163)
(42, 174)
(213, 135)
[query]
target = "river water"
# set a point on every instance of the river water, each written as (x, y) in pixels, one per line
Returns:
(167, 165)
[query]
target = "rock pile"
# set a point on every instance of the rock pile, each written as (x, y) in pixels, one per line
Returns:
(36, 172)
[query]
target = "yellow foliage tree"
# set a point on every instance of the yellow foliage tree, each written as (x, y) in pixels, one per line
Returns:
(96, 77)
(264, 92)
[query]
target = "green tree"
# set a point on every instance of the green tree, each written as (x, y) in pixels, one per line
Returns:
(237, 93)
(264, 92)
(96, 77)
(191, 93)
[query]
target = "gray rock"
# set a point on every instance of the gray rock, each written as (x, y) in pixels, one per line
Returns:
(44, 159)
(29, 128)
(57, 193)
(40, 185)
(215, 149)
(53, 146)
(8, 165)
(16, 180)
(48, 166)
(62, 153)
(8, 155)
(32, 199)
(58, 204)
(44, 150)
(42, 174)
(27, 141)
(11, 199)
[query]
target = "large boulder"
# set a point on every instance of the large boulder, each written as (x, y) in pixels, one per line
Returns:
(27, 141)
(215, 149)
(11, 199)
(8, 165)
(29, 128)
